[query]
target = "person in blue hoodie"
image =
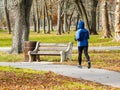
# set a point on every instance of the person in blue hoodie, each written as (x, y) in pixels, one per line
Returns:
(82, 36)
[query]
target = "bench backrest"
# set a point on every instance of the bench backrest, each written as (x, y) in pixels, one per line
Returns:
(53, 46)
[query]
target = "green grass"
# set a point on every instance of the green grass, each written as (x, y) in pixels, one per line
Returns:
(6, 57)
(95, 40)
(51, 38)
(5, 39)
(20, 70)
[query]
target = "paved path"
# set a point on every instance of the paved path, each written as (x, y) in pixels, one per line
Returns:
(97, 75)
(96, 48)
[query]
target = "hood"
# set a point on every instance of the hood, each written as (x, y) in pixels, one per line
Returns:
(81, 25)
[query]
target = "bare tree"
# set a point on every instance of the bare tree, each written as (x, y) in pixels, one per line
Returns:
(70, 21)
(93, 20)
(51, 15)
(59, 19)
(37, 17)
(117, 21)
(47, 15)
(82, 12)
(44, 24)
(65, 16)
(34, 20)
(105, 20)
(21, 31)
(7, 16)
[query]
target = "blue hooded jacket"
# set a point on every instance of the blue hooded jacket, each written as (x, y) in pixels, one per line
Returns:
(82, 35)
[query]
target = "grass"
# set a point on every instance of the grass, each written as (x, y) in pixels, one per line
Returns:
(19, 70)
(6, 57)
(95, 40)
(27, 79)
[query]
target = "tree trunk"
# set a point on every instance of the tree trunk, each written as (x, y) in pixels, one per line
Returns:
(117, 22)
(37, 19)
(98, 17)
(111, 20)
(7, 16)
(85, 15)
(93, 20)
(76, 27)
(59, 18)
(82, 12)
(51, 23)
(33, 13)
(51, 16)
(22, 27)
(79, 8)
(48, 19)
(65, 17)
(44, 25)
(105, 21)
(70, 21)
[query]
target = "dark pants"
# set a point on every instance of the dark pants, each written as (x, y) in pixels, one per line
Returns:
(80, 50)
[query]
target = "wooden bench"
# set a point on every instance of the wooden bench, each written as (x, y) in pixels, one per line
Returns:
(51, 49)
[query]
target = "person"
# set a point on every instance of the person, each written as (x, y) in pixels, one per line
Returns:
(82, 36)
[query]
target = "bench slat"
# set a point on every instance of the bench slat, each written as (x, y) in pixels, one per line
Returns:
(53, 44)
(52, 48)
(47, 53)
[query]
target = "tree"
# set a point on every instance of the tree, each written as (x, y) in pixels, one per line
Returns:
(37, 19)
(93, 13)
(47, 15)
(82, 12)
(105, 20)
(21, 30)
(7, 16)
(51, 15)
(59, 19)
(34, 20)
(65, 16)
(117, 22)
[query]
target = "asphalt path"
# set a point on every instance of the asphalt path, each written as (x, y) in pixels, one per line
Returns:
(102, 76)
(95, 48)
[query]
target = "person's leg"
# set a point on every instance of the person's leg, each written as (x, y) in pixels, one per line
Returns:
(87, 56)
(80, 49)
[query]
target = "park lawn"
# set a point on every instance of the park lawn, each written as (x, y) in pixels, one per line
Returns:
(95, 40)
(28, 79)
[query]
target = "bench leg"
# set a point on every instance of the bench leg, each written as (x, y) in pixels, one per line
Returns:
(70, 57)
(38, 58)
(62, 56)
(34, 57)
(30, 58)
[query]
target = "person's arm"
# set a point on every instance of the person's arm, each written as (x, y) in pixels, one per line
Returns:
(75, 38)
(77, 35)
